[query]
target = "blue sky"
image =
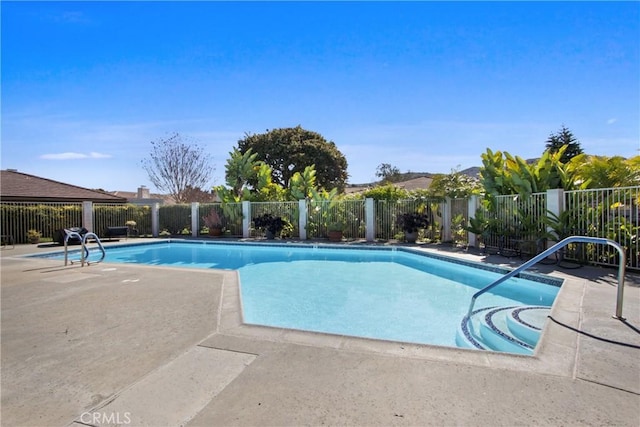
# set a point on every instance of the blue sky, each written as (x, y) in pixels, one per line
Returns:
(426, 87)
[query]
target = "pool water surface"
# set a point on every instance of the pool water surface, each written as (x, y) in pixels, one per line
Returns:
(369, 292)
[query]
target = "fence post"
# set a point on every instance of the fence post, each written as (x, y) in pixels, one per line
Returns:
(446, 220)
(246, 218)
(302, 219)
(471, 213)
(155, 219)
(195, 218)
(87, 215)
(555, 201)
(555, 204)
(370, 222)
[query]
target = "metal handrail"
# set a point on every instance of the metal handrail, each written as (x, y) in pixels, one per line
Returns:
(84, 252)
(97, 240)
(68, 235)
(555, 248)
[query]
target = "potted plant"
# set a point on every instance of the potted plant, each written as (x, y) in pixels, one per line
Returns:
(271, 225)
(131, 225)
(410, 223)
(335, 231)
(33, 236)
(213, 223)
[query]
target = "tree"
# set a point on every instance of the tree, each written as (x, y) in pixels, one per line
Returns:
(386, 172)
(561, 138)
(291, 150)
(177, 166)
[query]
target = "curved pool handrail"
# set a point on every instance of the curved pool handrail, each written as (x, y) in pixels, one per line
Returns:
(555, 248)
(97, 240)
(84, 252)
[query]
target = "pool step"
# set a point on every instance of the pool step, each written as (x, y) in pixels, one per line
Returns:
(514, 329)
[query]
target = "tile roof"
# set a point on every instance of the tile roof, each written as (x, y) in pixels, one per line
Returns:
(18, 186)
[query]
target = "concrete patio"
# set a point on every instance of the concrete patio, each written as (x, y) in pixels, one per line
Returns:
(114, 344)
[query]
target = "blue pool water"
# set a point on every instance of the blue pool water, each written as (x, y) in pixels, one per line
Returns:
(366, 292)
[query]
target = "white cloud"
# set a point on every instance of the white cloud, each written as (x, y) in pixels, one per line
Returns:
(94, 155)
(611, 121)
(74, 156)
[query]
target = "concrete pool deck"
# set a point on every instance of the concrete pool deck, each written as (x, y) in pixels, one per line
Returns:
(113, 344)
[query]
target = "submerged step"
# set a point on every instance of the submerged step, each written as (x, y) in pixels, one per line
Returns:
(513, 329)
(526, 323)
(496, 334)
(468, 333)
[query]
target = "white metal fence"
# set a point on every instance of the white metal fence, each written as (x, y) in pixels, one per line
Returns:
(515, 219)
(611, 213)
(387, 212)
(459, 219)
(230, 217)
(346, 215)
(289, 211)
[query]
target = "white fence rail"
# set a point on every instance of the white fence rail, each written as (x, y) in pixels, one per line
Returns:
(514, 220)
(611, 213)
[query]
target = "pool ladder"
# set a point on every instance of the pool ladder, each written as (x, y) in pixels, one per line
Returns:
(84, 252)
(552, 250)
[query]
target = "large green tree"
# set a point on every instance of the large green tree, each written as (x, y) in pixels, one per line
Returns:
(178, 165)
(561, 138)
(291, 150)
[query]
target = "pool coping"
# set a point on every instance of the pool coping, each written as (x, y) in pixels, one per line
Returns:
(555, 353)
(552, 355)
(237, 302)
(536, 277)
(595, 380)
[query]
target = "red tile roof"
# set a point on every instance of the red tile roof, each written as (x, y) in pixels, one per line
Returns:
(18, 186)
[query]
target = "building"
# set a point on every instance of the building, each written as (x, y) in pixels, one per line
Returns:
(144, 197)
(21, 187)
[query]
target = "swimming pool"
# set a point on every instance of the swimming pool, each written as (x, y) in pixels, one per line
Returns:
(395, 294)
